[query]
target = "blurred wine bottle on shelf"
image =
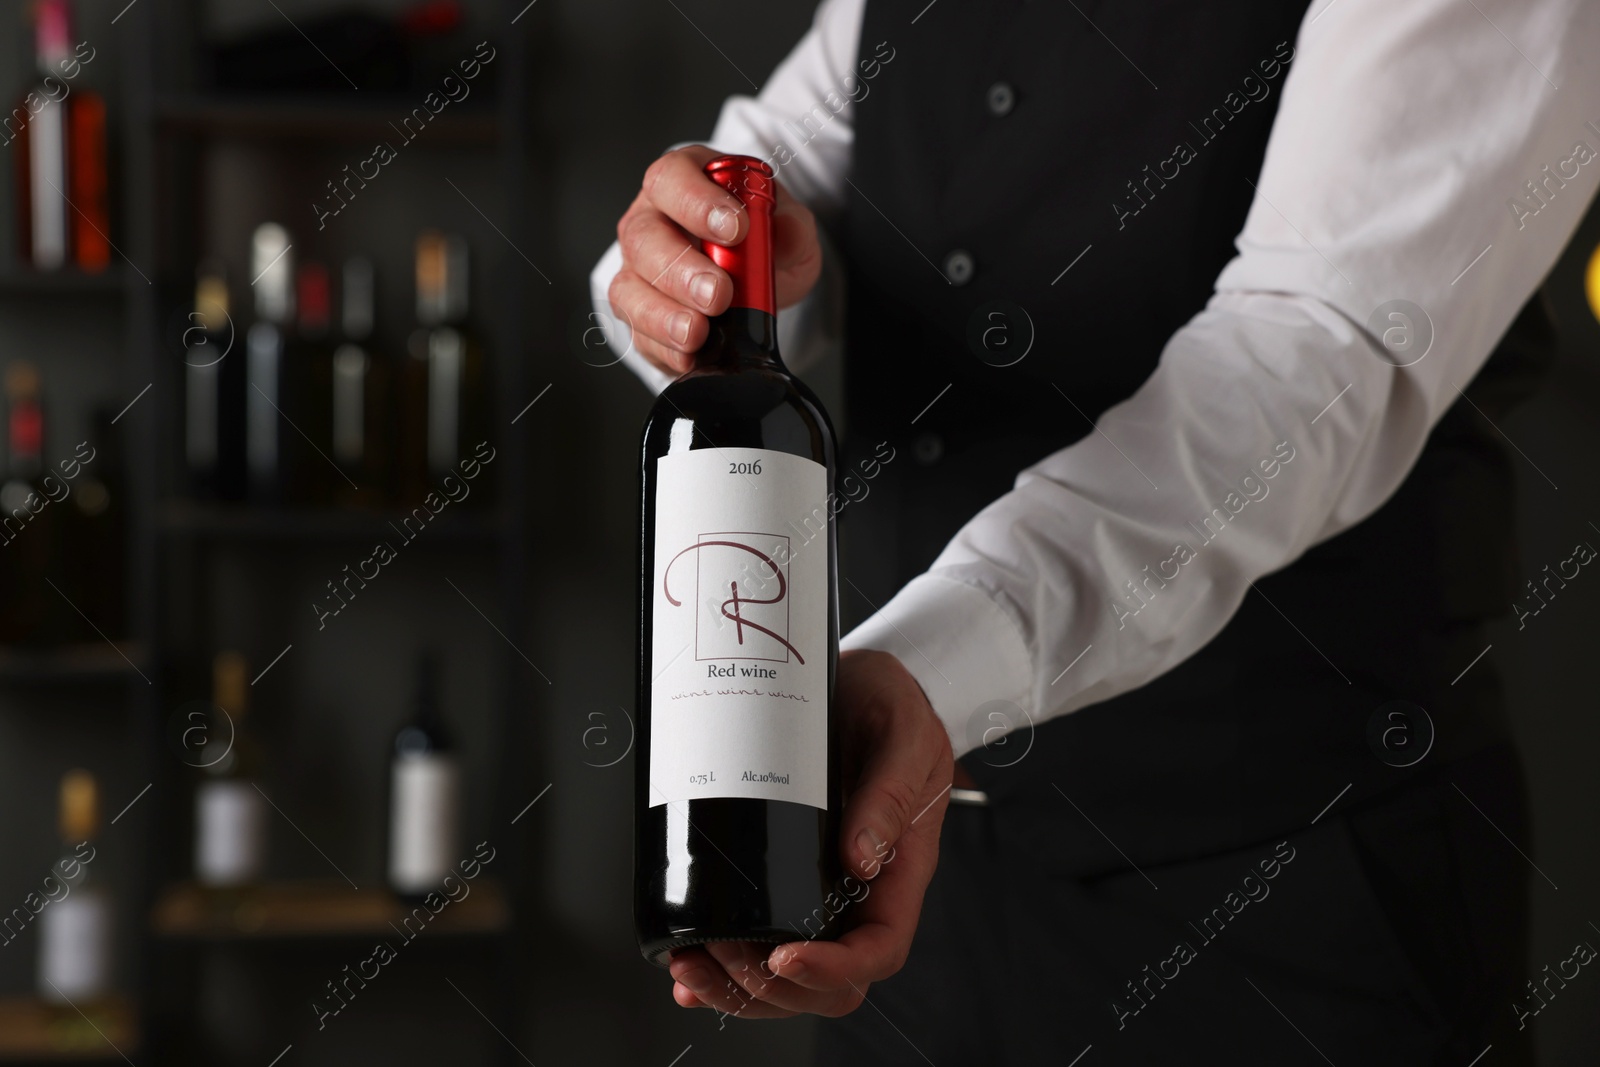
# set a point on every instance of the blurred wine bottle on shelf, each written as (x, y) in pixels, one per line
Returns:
(266, 432)
(61, 184)
(74, 963)
(214, 393)
(359, 392)
(308, 393)
(424, 794)
(230, 811)
(28, 606)
(91, 554)
(445, 398)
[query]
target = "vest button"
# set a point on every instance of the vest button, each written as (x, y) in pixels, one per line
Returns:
(1002, 98)
(928, 448)
(959, 267)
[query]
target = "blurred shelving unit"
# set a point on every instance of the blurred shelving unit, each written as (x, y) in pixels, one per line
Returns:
(313, 118)
(220, 524)
(170, 131)
(16, 281)
(71, 664)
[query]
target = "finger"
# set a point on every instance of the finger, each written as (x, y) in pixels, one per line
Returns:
(747, 965)
(703, 976)
(659, 251)
(893, 792)
(882, 914)
(652, 314)
(796, 251)
(677, 185)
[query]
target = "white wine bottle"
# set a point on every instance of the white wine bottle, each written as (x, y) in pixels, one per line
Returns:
(75, 930)
(230, 841)
(425, 795)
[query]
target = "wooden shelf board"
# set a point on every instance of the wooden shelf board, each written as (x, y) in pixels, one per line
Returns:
(285, 910)
(243, 523)
(32, 1029)
(322, 118)
(47, 664)
(20, 280)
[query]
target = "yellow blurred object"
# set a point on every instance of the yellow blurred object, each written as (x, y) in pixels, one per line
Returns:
(229, 688)
(80, 806)
(22, 380)
(1591, 282)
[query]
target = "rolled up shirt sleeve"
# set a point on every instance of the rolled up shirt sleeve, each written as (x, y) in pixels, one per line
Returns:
(1426, 168)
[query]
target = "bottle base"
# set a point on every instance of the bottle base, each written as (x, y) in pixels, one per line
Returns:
(659, 950)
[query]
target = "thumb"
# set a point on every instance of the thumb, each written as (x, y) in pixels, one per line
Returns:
(796, 249)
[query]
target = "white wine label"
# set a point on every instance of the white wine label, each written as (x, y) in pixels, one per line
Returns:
(423, 815)
(230, 833)
(75, 947)
(739, 616)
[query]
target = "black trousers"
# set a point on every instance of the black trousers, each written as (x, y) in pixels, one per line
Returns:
(1391, 932)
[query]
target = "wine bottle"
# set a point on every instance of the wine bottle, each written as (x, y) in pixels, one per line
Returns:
(445, 389)
(28, 609)
(265, 430)
(61, 168)
(230, 812)
(308, 386)
(214, 393)
(425, 795)
(358, 383)
(75, 929)
(92, 517)
(737, 779)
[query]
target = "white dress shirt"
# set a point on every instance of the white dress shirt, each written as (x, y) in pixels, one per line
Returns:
(1439, 152)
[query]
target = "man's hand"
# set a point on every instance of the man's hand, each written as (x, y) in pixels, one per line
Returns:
(667, 287)
(897, 756)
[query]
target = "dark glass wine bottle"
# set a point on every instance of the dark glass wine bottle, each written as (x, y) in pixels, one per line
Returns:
(424, 795)
(737, 789)
(308, 387)
(30, 611)
(266, 431)
(214, 392)
(358, 390)
(443, 378)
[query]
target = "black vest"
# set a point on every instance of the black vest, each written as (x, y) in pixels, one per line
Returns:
(999, 142)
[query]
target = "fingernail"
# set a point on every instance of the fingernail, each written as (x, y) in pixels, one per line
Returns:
(870, 847)
(698, 981)
(723, 222)
(704, 289)
(784, 959)
(679, 327)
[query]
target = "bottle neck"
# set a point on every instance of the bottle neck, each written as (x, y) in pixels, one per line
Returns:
(741, 338)
(746, 335)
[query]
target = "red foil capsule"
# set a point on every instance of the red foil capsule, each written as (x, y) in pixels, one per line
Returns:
(749, 262)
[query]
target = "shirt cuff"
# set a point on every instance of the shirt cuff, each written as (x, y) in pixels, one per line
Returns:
(613, 329)
(964, 650)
